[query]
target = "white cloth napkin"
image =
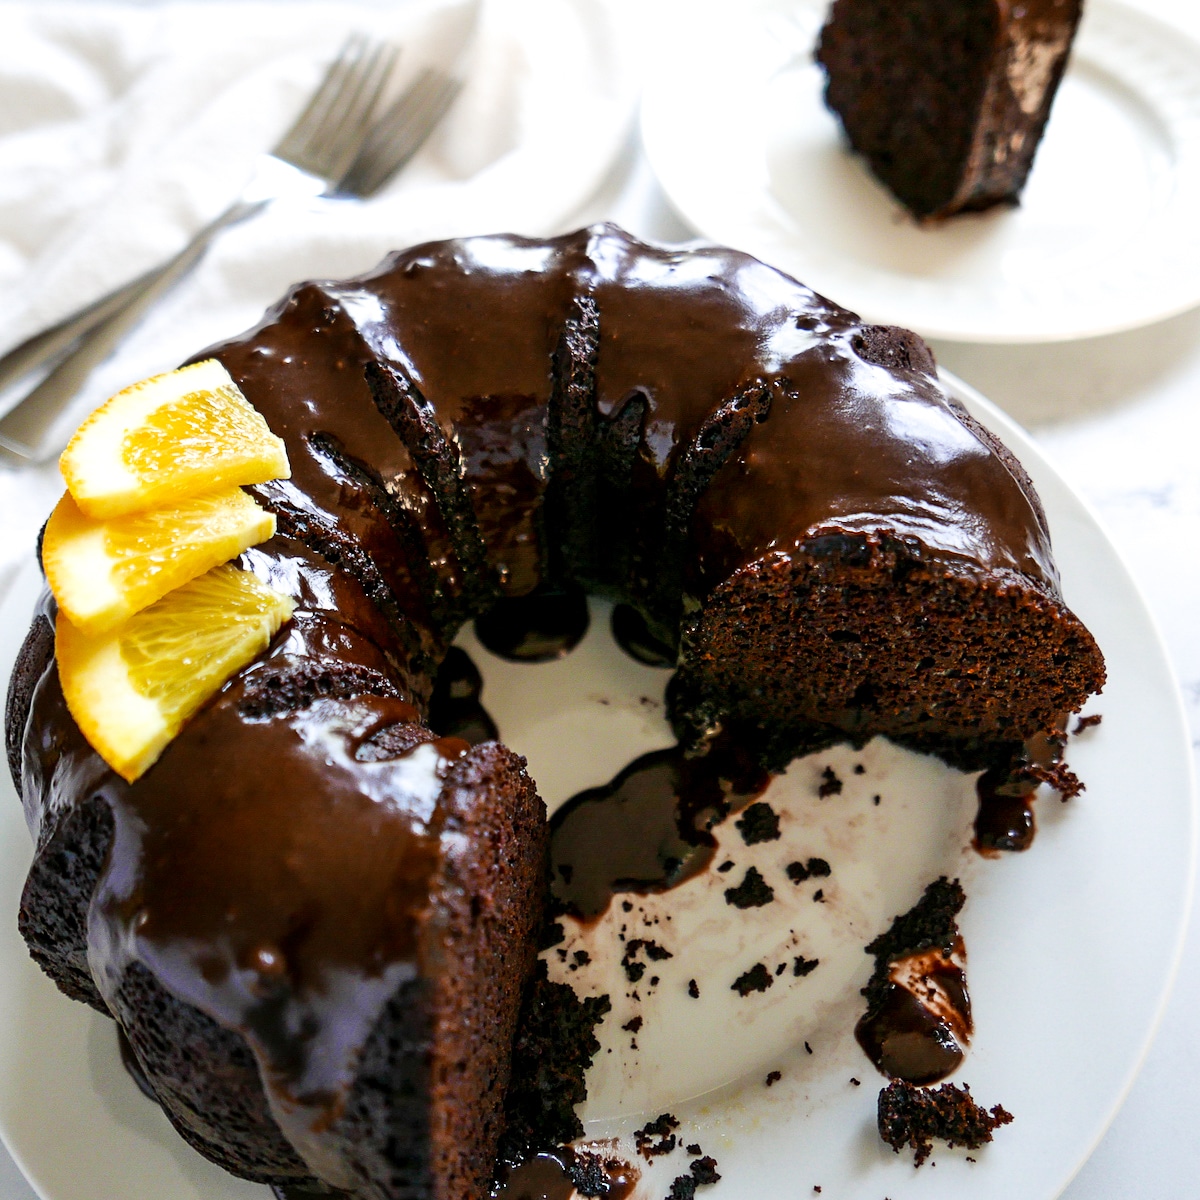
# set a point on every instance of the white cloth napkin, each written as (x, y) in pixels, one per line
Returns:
(124, 129)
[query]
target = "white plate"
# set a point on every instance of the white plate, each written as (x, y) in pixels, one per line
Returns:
(1072, 945)
(1104, 239)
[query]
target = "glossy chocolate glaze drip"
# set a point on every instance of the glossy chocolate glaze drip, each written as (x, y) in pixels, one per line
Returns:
(455, 708)
(1005, 819)
(920, 1030)
(539, 627)
(649, 829)
(319, 924)
(551, 1176)
(918, 1020)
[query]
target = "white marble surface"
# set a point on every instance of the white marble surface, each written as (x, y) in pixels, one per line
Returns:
(1121, 417)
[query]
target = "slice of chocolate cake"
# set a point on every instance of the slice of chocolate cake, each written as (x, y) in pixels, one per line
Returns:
(946, 99)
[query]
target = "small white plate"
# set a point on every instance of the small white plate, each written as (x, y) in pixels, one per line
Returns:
(1072, 946)
(1104, 238)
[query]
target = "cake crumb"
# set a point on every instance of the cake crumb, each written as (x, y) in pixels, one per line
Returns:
(831, 785)
(1088, 722)
(819, 895)
(1060, 777)
(693, 989)
(856, 1082)
(805, 966)
(875, 800)
(703, 1173)
(632, 1025)
(757, 979)
(815, 868)
(727, 865)
(759, 823)
(753, 892)
(654, 952)
(693, 1148)
(774, 1077)
(912, 1116)
(807, 1048)
(859, 769)
(660, 1129)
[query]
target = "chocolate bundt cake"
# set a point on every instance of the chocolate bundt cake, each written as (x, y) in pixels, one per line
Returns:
(947, 99)
(312, 917)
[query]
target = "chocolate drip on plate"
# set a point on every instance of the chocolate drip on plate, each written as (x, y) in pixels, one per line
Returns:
(918, 1021)
(539, 627)
(562, 1173)
(634, 636)
(649, 829)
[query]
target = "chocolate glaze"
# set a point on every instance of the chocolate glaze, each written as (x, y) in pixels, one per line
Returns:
(1005, 819)
(539, 627)
(920, 1030)
(267, 870)
(648, 830)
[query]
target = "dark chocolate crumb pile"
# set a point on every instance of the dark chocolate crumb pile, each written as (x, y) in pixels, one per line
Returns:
(753, 892)
(831, 785)
(654, 952)
(815, 868)
(552, 1051)
(913, 1116)
(657, 1137)
(804, 966)
(757, 979)
(703, 1174)
(759, 823)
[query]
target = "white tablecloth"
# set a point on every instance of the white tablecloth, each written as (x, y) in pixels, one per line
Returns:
(1121, 417)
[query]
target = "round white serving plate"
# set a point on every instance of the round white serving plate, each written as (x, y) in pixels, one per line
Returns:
(1072, 946)
(1104, 238)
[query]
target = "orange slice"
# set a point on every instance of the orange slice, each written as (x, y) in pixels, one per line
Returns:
(102, 572)
(167, 439)
(131, 690)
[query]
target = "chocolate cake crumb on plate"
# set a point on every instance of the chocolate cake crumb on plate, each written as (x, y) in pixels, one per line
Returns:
(759, 823)
(757, 979)
(753, 892)
(661, 1128)
(913, 1116)
(830, 785)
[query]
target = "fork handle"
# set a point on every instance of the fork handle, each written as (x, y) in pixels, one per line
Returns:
(58, 340)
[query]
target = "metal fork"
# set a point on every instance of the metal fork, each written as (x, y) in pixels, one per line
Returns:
(332, 147)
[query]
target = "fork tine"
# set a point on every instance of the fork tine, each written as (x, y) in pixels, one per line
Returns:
(400, 132)
(335, 144)
(313, 112)
(329, 131)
